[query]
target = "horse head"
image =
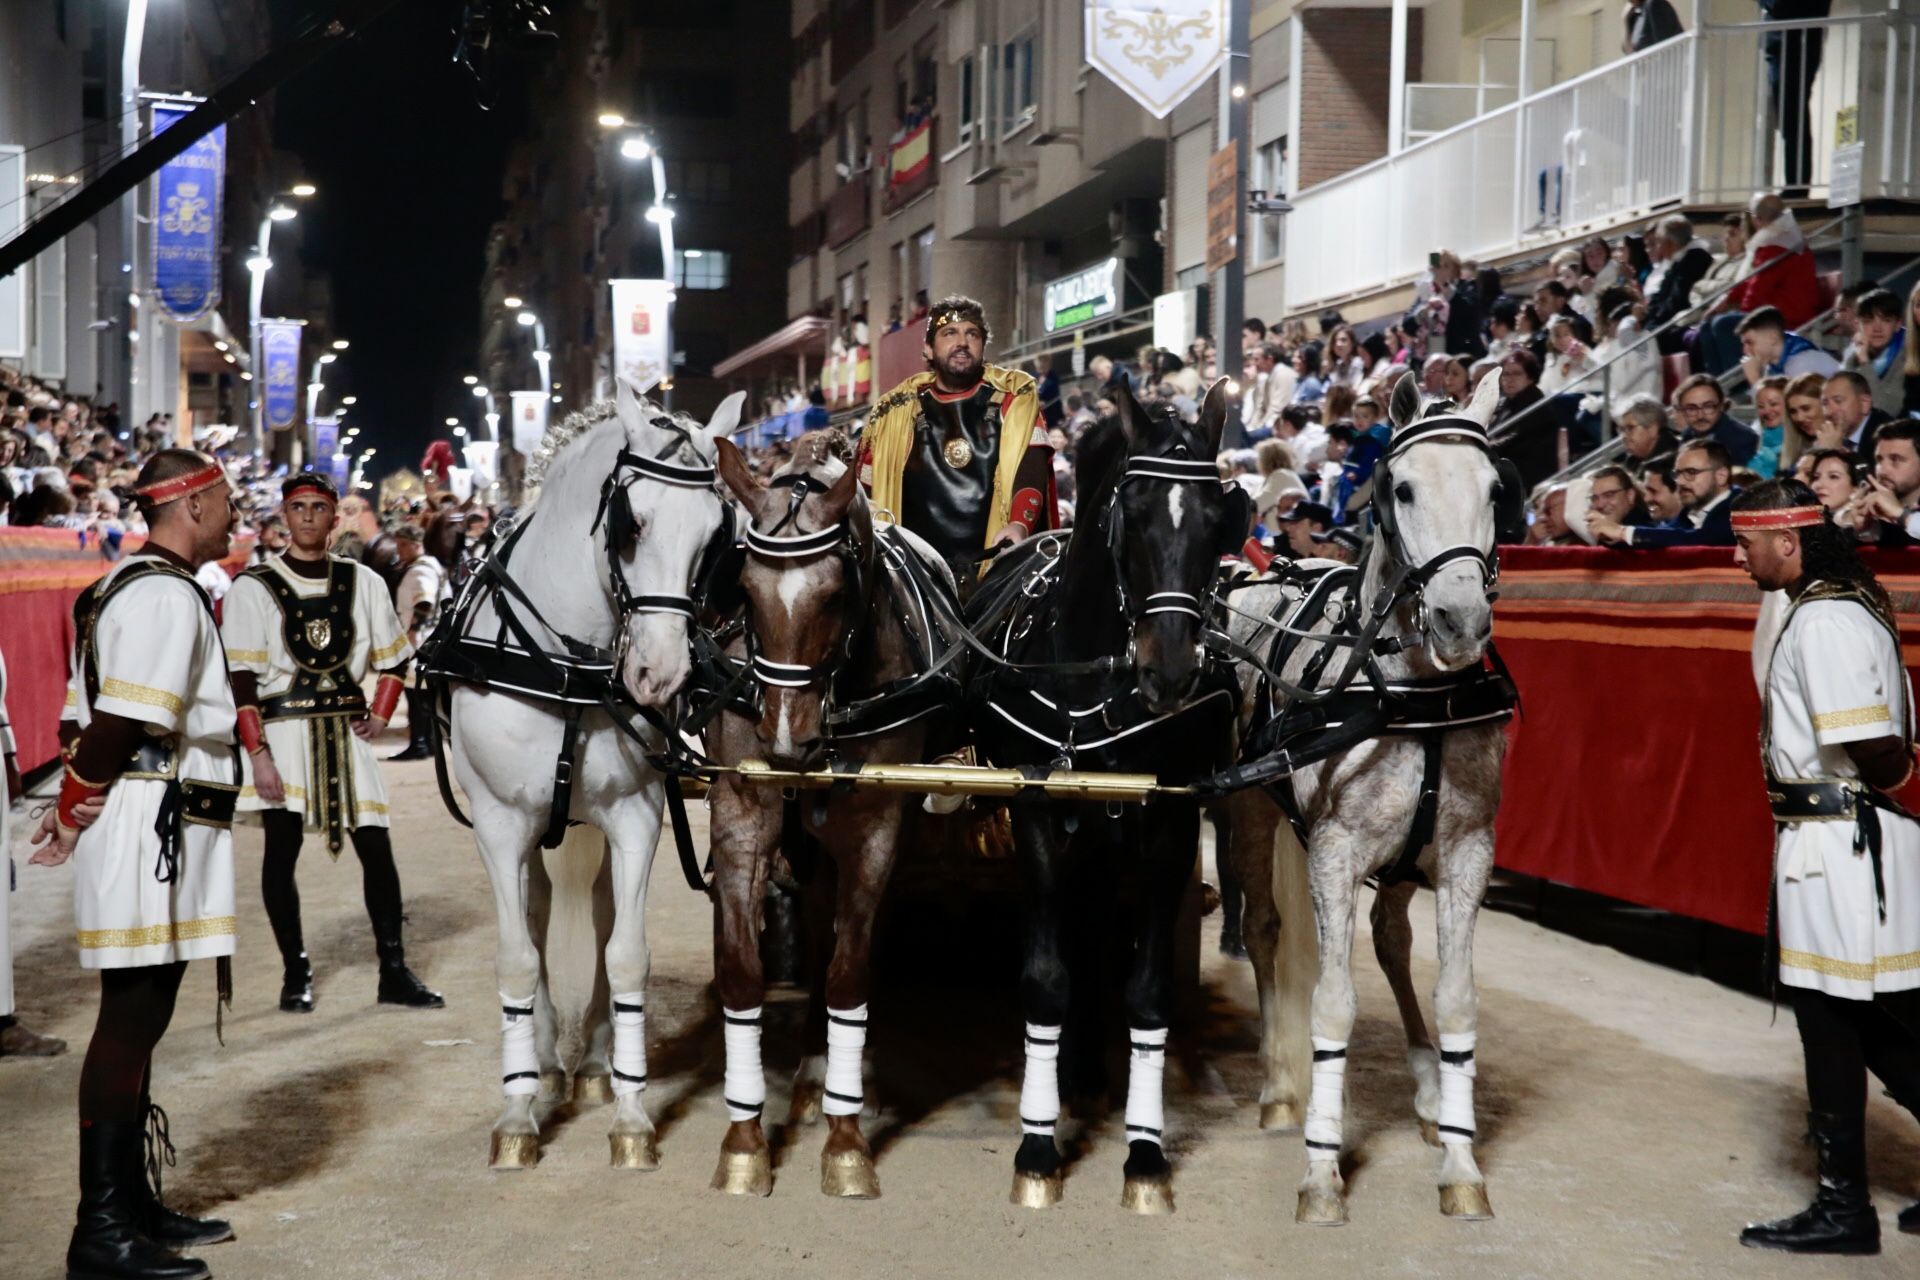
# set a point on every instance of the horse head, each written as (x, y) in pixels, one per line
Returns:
(808, 566)
(1437, 493)
(661, 515)
(1169, 522)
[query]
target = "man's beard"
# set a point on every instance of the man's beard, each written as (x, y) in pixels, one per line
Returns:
(960, 379)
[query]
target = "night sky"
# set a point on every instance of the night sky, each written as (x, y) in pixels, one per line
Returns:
(409, 169)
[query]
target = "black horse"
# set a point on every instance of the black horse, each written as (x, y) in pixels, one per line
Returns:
(1101, 632)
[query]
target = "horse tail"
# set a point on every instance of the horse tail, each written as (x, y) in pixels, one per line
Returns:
(579, 921)
(1296, 960)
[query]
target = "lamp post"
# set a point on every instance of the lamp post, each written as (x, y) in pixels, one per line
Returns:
(259, 264)
(541, 356)
(636, 147)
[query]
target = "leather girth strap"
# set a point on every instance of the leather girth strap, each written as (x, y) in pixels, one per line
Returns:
(563, 779)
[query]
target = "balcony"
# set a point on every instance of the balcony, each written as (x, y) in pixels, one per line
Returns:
(912, 167)
(1685, 123)
(848, 211)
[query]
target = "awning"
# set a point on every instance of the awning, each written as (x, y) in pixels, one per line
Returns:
(775, 355)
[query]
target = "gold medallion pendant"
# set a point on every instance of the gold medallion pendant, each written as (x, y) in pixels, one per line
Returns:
(958, 453)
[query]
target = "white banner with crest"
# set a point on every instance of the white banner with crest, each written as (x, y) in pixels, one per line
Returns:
(1157, 53)
(640, 331)
(529, 421)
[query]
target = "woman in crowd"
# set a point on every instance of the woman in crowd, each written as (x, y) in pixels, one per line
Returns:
(1911, 364)
(1568, 361)
(1728, 265)
(1770, 407)
(1309, 389)
(1596, 259)
(1346, 362)
(1280, 486)
(1834, 477)
(1804, 416)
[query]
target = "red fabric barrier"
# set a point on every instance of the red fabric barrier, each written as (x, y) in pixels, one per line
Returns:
(41, 571)
(1635, 766)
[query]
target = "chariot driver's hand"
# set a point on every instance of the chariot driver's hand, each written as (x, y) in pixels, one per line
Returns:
(266, 777)
(1010, 532)
(368, 728)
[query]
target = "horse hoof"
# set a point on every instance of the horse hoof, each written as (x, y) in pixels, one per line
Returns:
(553, 1086)
(849, 1175)
(1037, 1190)
(514, 1151)
(1430, 1132)
(634, 1151)
(1466, 1201)
(1321, 1207)
(805, 1107)
(592, 1090)
(744, 1174)
(1148, 1197)
(1283, 1116)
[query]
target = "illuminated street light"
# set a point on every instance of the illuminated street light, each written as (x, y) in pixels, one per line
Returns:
(513, 302)
(340, 344)
(469, 379)
(612, 120)
(283, 213)
(349, 400)
(659, 213)
(526, 319)
(328, 358)
(259, 264)
(461, 432)
(635, 148)
(453, 422)
(481, 393)
(303, 189)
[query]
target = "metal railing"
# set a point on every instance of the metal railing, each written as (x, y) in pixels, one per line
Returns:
(1694, 120)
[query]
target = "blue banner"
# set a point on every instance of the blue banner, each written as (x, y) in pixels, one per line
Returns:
(339, 461)
(186, 221)
(280, 372)
(326, 441)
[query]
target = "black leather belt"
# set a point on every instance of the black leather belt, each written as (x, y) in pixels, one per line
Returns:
(1795, 803)
(347, 700)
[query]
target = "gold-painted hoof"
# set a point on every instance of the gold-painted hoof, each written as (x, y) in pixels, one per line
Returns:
(1320, 1207)
(1037, 1190)
(634, 1151)
(1283, 1116)
(553, 1086)
(1466, 1201)
(592, 1091)
(1147, 1196)
(805, 1106)
(748, 1174)
(1430, 1132)
(848, 1174)
(514, 1151)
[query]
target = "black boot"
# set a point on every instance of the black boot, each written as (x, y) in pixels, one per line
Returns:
(296, 986)
(1909, 1220)
(106, 1244)
(398, 985)
(1841, 1218)
(419, 746)
(150, 1214)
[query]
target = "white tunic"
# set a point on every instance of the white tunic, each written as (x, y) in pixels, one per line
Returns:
(1836, 678)
(160, 662)
(252, 626)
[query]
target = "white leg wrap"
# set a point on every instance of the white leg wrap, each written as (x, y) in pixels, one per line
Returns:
(746, 1080)
(629, 1043)
(519, 1061)
(1146, 1065)
(1456, 1087)
(1040, 1085)
(846, 1041)
(1327, 1101)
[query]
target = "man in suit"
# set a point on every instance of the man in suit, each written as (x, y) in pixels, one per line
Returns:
(1702, 408)
(1703, 474)
(1852, 419)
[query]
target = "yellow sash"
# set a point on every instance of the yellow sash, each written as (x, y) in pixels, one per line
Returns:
(889, 439)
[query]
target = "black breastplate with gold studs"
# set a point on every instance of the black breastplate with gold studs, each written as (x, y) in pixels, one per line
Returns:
(946, 491)
(318, 633)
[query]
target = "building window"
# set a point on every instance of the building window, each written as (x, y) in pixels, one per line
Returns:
(853, 143)
(922, 274)
(969, 102)
(1017, 99)
(701, 268)
(1269, 231)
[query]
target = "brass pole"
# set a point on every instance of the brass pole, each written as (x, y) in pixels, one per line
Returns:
(956, 779)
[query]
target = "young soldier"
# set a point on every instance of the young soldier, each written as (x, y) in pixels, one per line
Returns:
(1838, 749)
(302, 632)
(144, 811)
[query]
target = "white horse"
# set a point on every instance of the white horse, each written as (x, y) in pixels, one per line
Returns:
(1359, 805)
(504, 747)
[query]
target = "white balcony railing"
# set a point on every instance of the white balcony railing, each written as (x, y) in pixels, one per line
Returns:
(1688, 122)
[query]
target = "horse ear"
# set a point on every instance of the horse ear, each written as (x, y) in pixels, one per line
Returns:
(1486, 397)
(1213, 414)
(840, 496)
(1404, 405)
(726, 419)
(628, 402)
(732, 465)
(1134, 424)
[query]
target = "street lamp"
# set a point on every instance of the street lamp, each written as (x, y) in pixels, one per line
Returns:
(635, 148)
(470, 379)
(259, 264)
(612, 120)
(303, 189)
(340, 344)
(513, 302)
(482, 392)
(453, 422)
(541, 356)
(349, 400)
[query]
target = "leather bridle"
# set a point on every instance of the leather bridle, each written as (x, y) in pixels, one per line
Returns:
(781, 547)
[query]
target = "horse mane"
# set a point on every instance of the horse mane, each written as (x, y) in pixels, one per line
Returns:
(817, 447)
(1097, 462)
(574, 427)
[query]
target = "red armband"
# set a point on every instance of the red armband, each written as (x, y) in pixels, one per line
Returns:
(386, 696)
(1256, 555)
(1906, 792)
(1025, 509)
(74, 791)
(253, 734)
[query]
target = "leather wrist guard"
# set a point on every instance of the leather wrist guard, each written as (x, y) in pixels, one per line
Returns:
(1256, 555)
(1906, 792)
(386, 696)
(253, 735)
(74, 791)
(1025, 509)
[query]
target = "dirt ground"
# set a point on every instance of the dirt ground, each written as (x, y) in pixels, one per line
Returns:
(1631, 1118)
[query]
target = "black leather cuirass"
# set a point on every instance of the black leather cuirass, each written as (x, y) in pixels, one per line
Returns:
(946, 493)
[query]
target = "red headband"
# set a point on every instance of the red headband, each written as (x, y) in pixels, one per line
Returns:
(193, 482)
(1779, 518)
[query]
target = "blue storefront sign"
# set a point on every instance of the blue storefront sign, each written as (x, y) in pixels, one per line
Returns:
(186, 221)
(280, 361)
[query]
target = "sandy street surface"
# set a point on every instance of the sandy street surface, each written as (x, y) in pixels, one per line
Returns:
(1631, 1118)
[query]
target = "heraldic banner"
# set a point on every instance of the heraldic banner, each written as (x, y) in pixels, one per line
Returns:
(529, 421)
(640, 331)
(280, 361)
(1158, 53)
(186, 220)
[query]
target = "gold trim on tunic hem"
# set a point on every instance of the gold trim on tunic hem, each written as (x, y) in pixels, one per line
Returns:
(1855, 971)
(247, 655)
(156, 934)
(126, 691)
(381, 655)
(1851, 717)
